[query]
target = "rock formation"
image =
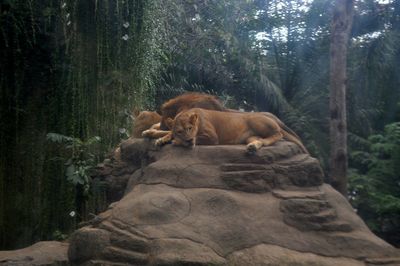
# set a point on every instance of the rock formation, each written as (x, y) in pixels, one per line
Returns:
(217, 205)
(41, 253)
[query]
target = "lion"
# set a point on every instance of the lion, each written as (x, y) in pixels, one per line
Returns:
(207, 127)
(187, 101)
(146, 120)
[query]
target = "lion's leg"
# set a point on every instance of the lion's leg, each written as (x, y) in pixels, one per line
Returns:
(253, 144)
(155, 133)
(272, 139)
(209, 137)
(162, 136)
(164, 140)
(156, 126)
(266, 132)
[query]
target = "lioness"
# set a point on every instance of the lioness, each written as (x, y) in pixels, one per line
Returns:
(146, 120)
(207, 127)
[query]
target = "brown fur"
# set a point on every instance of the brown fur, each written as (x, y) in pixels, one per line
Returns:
(176, 105)
(187, 101)
(207, 127)
(145, 120)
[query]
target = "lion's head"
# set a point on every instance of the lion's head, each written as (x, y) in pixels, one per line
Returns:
(144, 120)
(184, 129)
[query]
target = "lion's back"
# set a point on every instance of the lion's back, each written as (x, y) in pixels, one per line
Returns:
(188, 101)
(231, 127)
(193, 100)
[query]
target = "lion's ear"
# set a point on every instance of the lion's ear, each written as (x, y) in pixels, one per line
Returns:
(193, 119)
(135, 112)
(169, 123)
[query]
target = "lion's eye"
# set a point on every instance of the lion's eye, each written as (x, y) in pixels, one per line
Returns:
(179, 131)
(188, 129)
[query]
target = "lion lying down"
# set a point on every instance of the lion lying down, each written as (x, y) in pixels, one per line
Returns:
(209, 127)
(147, 120)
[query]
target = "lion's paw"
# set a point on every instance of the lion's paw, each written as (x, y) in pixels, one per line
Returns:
(251, 148)
(160, 142)
(147, 133)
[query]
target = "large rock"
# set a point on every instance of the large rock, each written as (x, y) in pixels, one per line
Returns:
(113, 174)
(217, 205)
(49, 253)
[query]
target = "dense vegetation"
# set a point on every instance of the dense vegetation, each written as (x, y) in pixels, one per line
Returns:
(79, 68)
(75, 68)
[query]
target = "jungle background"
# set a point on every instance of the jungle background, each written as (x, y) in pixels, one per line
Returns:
(72, 73)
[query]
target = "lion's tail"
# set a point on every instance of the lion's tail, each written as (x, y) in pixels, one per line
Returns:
(290, 137)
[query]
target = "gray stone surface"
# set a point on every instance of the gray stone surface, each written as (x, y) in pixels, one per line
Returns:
(49, 253)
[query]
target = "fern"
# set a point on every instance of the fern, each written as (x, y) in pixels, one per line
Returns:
(79, 159)
(54, 137)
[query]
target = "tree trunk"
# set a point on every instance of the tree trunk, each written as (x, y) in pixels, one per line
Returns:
(341, 25)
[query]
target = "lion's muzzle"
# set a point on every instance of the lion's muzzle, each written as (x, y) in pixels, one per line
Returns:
(185, 143)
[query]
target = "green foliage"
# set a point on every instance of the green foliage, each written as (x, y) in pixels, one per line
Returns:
(375, 182)
(59, 236)
(80, 159)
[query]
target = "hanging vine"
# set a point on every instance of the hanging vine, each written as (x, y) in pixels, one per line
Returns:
(73, 67)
